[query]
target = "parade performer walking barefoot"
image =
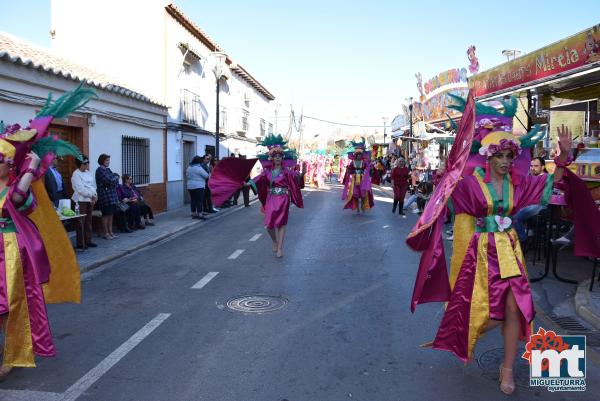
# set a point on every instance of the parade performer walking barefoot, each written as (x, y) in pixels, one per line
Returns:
(33, 240)
(488, 285)
(357, 180)
(277, 186)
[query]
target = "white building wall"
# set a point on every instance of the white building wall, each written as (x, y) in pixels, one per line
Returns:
(105, 135)
(124, 38)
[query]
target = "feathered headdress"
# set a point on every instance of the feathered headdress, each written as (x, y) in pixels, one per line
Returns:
(493, 133)
(276, 144)
(359, 146)
(15, 142)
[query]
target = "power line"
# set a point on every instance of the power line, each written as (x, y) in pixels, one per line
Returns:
(347, 125)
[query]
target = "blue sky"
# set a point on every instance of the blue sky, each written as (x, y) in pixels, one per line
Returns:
(354, 61)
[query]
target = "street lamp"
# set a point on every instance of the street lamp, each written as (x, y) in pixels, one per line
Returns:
(220, 68)
(384, 129)
(410, 109)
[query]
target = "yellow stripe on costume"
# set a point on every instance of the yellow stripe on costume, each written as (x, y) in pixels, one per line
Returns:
(486, 194)
(65, 280)
(480, 307)
(507, 260)
(18, 347)
(511, 194)
(464, 227)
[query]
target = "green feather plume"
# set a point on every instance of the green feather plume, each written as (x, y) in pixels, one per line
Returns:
(510, 106)
(57, 146)
(67, 103)
(271, 140)
(532, 137)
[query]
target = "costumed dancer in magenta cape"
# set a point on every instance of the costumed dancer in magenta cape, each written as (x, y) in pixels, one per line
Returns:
(357, 193)
(488, 285)
(33, 242)
(400, 175)
(277, 186)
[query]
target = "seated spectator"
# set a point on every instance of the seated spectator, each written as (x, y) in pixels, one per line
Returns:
(129, 194)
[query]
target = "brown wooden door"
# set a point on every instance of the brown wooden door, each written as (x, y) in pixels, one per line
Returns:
(66, 165)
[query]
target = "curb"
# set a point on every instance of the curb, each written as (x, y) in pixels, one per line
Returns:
(584, 307)
(540, 314)
(162, 237)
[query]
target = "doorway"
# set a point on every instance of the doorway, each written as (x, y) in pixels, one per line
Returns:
(66, 165)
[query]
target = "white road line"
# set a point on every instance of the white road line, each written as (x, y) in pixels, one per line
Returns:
(235, 254)
(28, 395)
(256, 236)
(204, 280)
(386, 226)
(96, 373)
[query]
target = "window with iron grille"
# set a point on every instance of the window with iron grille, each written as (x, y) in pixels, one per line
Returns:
(263, 124)
(245, 117)
(136, 158)
(190, 109)
(223, 120)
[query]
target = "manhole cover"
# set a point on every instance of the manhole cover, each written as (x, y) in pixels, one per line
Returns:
(257, 303)
(490, 361)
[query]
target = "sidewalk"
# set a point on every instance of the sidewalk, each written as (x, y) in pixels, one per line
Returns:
(167, 224)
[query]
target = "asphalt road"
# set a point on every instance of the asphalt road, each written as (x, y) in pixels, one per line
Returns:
(343, 330)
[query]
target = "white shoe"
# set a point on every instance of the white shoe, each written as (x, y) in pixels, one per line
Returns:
(403, 216)
(415, 211)
(215, 209)
(561, 241)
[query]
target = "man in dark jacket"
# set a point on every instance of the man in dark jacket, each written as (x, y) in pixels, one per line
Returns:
(55, 185)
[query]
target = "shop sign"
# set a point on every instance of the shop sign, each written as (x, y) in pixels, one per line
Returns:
(437, 107)
(574, 120)
(572, 53)
(453, 76)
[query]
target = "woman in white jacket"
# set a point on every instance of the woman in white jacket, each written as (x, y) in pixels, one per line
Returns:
(84, 194)
(196, 183)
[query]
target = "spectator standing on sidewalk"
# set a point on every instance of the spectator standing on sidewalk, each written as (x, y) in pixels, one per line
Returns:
(55, 184)
(207, 165)
(84, 195)
(106, 182)
(197, 177)
(537, 167)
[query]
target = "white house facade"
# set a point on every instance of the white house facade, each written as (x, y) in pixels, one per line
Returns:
(171, 58)
(125, 124)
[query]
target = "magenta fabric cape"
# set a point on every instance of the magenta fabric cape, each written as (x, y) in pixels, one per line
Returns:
(431, 284)
(36, 271)
(276, 207)
(585, 215)
(227, 177)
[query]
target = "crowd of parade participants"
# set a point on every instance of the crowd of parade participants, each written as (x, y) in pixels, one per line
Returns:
(486, 193)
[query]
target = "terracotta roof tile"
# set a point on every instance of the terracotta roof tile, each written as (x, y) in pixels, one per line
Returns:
(20, 51)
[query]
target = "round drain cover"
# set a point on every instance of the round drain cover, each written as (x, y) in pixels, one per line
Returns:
(490, 362)
(257, 303)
